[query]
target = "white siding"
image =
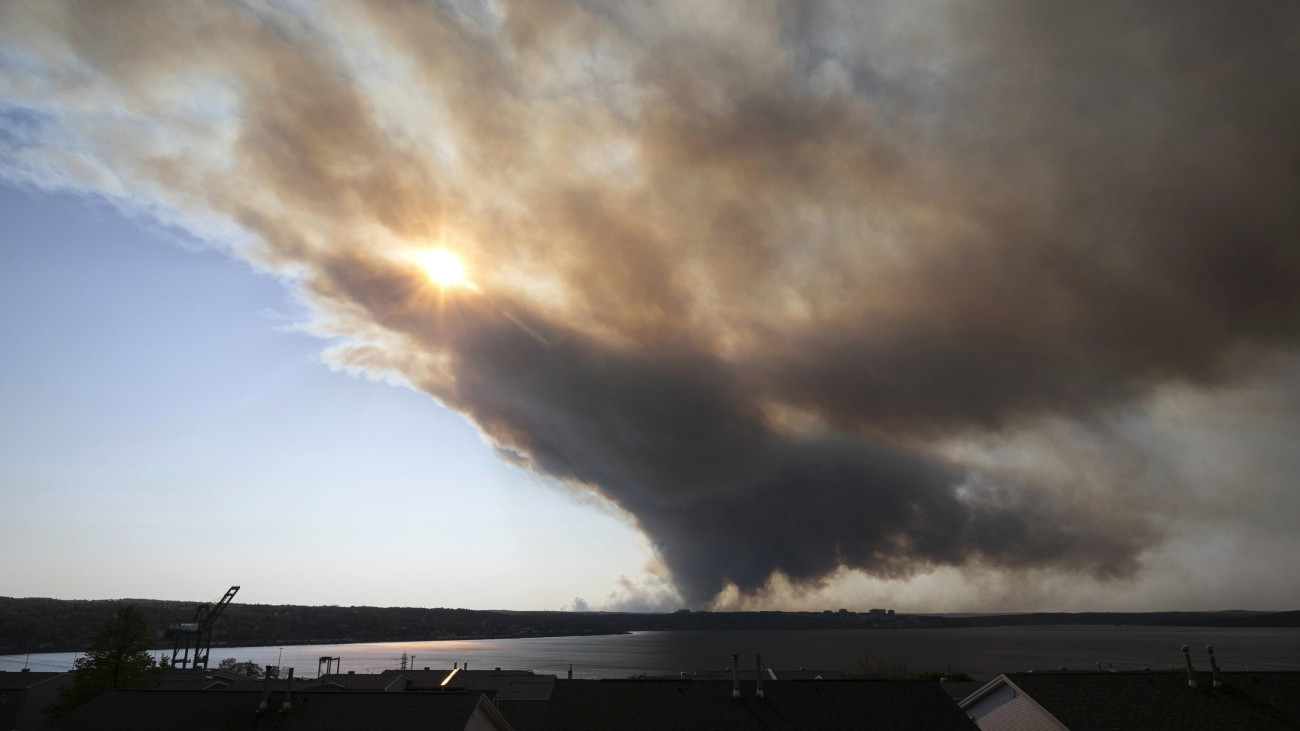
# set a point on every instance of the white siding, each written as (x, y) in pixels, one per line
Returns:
(1007, 709)
(481, 720)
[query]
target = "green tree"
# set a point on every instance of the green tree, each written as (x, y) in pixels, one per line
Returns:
(118, 657)
(247, 667)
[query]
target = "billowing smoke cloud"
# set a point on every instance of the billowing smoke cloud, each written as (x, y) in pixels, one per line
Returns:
(749, 271)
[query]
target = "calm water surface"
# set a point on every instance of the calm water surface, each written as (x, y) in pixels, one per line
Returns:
(981, 652)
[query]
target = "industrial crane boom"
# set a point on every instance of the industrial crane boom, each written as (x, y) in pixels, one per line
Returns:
(197, 634)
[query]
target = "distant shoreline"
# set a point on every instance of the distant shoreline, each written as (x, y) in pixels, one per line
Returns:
(64, 625)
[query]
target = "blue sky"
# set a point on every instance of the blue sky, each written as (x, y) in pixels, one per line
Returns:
(167, 432)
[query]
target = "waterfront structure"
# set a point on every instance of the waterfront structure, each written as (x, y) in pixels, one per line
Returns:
(198, 633)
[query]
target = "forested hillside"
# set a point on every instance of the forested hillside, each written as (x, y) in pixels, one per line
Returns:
(58, 625)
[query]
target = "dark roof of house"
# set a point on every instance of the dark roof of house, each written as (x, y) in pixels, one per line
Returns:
(176, 679)
(277, 685)
(361, 681)
(642, 705)
(788, 674)
(505, 685)
(959, 689)
(20, 679)
(1163, 700)
(197, 710)
(435, 675)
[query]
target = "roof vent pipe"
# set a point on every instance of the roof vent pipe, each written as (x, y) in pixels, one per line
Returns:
(288, 694)
(266, 690)
(758, 672)
(1214, 666)
(1187, 655)
(735, 676)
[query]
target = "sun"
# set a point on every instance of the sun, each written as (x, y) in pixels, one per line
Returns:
(443, 267)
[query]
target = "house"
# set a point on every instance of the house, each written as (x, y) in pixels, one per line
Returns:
(24, 694)
(520, 695)
(394, 683)
(200, 679)
(1151, 701)
(748, 676)
(208, 710)
(686, 704)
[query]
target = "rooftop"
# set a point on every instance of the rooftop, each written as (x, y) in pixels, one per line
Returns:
(198, 710)
(642, 705)
(19, 679)
(1097, 701)
(519, 685)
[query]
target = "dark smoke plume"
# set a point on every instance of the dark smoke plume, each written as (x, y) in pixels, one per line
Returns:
(744, 272)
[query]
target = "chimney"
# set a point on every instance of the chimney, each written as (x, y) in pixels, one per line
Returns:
(758, 673)
(266, 690)
(1187, 655)
(288, 694)
(1214, 666)
(735, 676)
(570, 671)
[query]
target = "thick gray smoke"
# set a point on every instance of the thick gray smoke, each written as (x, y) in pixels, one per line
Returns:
(743, 269)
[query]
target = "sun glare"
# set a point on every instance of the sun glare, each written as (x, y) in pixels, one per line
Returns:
(444, 268)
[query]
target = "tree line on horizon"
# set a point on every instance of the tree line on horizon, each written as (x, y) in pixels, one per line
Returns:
(66, 625)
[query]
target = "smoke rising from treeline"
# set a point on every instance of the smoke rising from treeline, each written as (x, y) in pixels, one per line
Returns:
(747, 270)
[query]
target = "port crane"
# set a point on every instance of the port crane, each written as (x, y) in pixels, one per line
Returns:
(197, 634)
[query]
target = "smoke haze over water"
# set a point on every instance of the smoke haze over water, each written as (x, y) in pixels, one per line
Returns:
(804, 288)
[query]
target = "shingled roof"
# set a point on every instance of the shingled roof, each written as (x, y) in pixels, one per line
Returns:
(365, 681)
(197, 710)
(505, 685)
(1155, 701)
(645, 705)
(19, 679)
